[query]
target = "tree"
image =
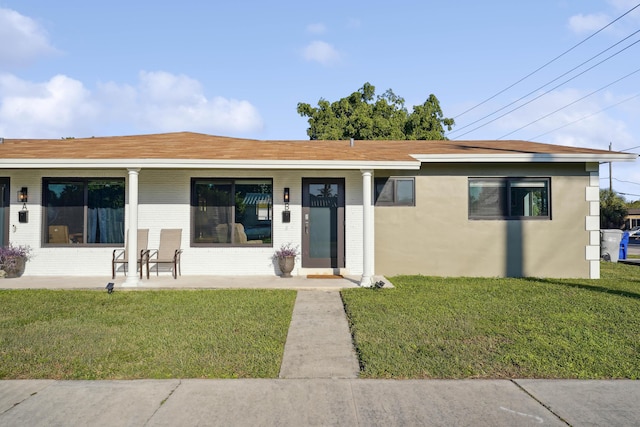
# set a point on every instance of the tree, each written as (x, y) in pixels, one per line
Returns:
(633, 205)
(363, 115)
(613, 209)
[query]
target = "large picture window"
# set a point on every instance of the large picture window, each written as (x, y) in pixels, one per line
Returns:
(509, 198)
(231, 211)
(83, 210)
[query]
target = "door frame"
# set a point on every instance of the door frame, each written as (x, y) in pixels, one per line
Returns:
(5, 205)
(339, 260)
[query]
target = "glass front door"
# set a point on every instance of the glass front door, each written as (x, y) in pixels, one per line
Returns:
(323, 222)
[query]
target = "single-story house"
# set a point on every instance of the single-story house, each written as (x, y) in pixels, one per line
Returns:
(632, 219)
(364, 208)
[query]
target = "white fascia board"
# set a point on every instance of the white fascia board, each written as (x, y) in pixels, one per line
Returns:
(525, 158)
(204, 164)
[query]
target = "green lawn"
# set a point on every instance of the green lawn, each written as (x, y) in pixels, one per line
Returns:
(427, 327)
(143, 334)
(430, 327)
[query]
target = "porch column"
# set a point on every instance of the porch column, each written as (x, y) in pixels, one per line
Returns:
(367, 229)
(132, 234)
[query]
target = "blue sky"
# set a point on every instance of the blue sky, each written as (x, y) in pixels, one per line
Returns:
(81, 68)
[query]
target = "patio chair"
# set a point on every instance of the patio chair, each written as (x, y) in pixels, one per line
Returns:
(168, 251)
(120, 255)
(58, 234)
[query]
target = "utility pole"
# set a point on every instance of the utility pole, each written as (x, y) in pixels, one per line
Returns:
(610, 177)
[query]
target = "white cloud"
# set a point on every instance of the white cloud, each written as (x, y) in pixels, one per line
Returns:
(29, 40)
(317, 28)
(322, 52)
(167, 102)
(159, 102)
(55, 108)
(588, 23)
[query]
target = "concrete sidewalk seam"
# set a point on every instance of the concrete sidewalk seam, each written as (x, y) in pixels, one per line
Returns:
(551, 411)
(163, 401)
(353, 403)
(25, 399)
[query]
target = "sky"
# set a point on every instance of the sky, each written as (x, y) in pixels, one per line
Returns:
(549, 71)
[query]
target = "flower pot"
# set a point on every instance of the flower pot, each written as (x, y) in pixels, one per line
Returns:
(286, 265)
(14, 267)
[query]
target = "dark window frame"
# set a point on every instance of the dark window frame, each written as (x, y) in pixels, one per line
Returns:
(390, 185)
(506, 210)
(5, 206)
(197, 204)
(84, 182)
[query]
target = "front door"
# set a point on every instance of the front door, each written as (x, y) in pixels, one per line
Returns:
(322, 222)
(4, 211)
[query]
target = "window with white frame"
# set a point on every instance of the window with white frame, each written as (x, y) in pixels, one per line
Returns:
(509, 198)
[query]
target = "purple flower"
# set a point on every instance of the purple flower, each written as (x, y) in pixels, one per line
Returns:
(286, 250)
(9, 256)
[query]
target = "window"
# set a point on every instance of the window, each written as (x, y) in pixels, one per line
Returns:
(394, 191)
(84, 210)
(509, 198)
(231, 211)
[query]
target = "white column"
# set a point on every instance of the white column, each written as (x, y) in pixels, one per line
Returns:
(367, 229)
(132, 255)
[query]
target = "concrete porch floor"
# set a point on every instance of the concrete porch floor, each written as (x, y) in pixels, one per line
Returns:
(166, 281)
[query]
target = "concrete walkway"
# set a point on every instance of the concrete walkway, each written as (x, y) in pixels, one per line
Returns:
(318, 385)
(319, 342)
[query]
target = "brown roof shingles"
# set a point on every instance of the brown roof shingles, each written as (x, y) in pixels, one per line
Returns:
(188, 145)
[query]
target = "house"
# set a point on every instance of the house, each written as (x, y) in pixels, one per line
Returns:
(632, 219)
(444, 208)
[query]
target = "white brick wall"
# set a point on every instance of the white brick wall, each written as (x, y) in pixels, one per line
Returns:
(164, 197)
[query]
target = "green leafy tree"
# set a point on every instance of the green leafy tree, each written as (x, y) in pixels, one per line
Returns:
(363, 115)
(634, 205)
(613, 209)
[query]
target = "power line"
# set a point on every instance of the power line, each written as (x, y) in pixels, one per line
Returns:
(620, 180)
(629, 149)
(546, 84)
(586, 117)
(570, 104)
(549, 63)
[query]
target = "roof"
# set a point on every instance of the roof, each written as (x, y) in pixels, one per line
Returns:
(188, 149)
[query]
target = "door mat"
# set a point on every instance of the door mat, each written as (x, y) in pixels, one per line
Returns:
(324, 276)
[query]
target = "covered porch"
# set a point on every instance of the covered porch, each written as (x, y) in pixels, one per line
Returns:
(98, 283)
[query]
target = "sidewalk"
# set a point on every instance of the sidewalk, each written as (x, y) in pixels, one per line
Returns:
(302, 402)
(318, 385)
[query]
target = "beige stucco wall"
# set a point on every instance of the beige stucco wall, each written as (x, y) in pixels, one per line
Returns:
(437, 238)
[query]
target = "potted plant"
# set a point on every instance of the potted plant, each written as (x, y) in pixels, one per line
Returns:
(13, 259)
(286, 257)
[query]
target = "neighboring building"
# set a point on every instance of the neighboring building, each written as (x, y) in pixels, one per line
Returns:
(632, 219)
(445, 208)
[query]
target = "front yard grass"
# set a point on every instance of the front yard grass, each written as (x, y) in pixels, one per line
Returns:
(143, 334)
(431, 327)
